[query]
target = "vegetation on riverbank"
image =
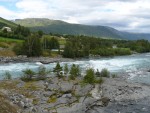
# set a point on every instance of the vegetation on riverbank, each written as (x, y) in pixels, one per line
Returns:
(34, 44)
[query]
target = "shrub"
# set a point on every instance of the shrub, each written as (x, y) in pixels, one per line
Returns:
(7, 76)
(18, 49)
(113, 75)
(97, 73)
(42, 73)
(28, 75)
(105, 73)
(99, 81)
(74, 71)
(57, 69)
(89, 77)
(66, 70)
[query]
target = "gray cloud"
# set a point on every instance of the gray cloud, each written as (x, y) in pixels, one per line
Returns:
(128, 15)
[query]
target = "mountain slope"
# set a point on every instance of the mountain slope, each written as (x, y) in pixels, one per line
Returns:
(60, 27)
(4, 22)
(37, 22)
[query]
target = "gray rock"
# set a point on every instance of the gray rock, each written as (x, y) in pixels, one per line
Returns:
(61, 101)
(21, 84)
(48, 93)
(67, 95)
(53, 87)
(89, 101)
(82, 91)
(66, 86)
(76, 108)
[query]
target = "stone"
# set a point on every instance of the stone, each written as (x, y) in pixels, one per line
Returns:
(53, 87)
(105, 101)
(66, 86)
(82, 91)
(67, 95)
(48, 93)
(76, 108)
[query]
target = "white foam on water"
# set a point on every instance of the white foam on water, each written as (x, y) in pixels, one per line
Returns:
(130, 64)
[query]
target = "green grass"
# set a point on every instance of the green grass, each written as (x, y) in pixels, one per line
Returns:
(62, 41)
(3, 39)
(9, 23)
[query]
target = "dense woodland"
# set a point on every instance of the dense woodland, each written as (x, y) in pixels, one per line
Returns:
(40, 44)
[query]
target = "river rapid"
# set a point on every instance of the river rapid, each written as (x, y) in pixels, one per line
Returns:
(134, 67)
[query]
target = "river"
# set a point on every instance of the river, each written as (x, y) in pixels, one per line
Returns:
(134, 66)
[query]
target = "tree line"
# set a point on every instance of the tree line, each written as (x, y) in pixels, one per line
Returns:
(83, 46)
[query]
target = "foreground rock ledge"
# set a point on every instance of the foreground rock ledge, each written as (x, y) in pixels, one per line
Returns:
(55, 95)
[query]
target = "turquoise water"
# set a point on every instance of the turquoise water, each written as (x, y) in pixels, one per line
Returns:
(135, 66)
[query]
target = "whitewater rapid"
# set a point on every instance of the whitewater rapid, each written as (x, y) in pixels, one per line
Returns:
(135, 66)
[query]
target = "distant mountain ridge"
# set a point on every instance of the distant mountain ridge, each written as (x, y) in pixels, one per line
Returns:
(61, 27)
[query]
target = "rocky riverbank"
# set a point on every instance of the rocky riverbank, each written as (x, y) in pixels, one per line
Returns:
(55, 95)
(44, 60)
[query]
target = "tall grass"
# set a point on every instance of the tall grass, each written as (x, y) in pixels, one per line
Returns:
(5, 53)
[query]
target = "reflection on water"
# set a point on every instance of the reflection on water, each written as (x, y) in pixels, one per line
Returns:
(135, 65)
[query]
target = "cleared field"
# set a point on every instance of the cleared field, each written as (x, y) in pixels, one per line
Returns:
(3, 39)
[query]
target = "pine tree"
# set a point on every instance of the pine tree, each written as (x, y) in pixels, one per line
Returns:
(57, 69)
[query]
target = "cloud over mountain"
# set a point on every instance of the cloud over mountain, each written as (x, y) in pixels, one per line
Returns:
(128, 15)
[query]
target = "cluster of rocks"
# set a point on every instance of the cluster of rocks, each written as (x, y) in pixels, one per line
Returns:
(21, 100)
(44, 60)
(58, 95)
(55, 95)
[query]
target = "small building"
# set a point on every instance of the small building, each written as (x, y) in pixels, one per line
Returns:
(7, 28)
(114, 46)
(57, 50)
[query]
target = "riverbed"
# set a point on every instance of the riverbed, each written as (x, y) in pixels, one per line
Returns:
(134, 67)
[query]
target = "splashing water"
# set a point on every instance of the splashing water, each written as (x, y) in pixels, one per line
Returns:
(136, 66)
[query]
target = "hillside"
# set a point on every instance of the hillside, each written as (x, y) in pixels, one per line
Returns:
(4, 22)
(60, 27)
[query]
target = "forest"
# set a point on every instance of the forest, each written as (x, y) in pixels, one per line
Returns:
(39, 44)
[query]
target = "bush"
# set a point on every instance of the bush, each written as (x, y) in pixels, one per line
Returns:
(58, 69)
(42, 73)
(105, 73)
(97, 73)
(66, 70)
(99, 81)
(28, 75)
(89, 77)
(7, 76)
(18, 49)
(113, 75)
(74, 71)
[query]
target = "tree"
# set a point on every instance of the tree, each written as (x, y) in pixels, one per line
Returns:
(5, 30)
(90, 76)
(68, 50)
(74, 71)
(40, 33)
(18, 49)
(28, 75)
(66, 70)
(53, 43)
(57, 69)
(32, 46)
(20, 30)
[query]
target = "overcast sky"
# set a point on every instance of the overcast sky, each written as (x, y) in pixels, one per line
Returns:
(127, 15)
